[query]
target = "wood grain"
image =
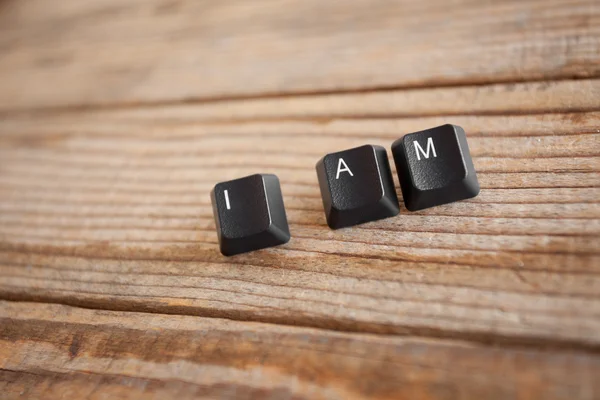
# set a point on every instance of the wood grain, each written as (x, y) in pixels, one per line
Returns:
(502, 100)
(117, 118)
(49, 351)
(105, 209)
(107, 52)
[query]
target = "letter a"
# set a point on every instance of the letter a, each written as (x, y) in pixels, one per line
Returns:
(340, 169)
(429, 146)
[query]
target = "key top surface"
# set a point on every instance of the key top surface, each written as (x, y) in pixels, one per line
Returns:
(357, 186)
(435, 167)
(249, 214)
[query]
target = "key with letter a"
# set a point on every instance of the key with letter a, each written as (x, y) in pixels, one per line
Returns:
(357, 186)
(435, 167)
(249, 214)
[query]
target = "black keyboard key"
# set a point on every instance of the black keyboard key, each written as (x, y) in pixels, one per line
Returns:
(357, 186)
(435, 167)
(249, 214)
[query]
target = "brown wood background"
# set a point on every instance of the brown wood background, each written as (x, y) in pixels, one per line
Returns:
(117, 117)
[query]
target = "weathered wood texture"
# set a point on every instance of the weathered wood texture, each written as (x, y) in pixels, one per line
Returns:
(52, 351)
(117, 118)
(156, 50)
(113, 211)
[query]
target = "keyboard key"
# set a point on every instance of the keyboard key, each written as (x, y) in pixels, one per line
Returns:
(435, 167)
(357, 186)
(249, 214)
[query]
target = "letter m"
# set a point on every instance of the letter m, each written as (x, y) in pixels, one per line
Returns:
(430, 146)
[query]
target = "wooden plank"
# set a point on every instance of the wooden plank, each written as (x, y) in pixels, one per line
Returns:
(110, 209)
(495, 99)
(503, 100)
(110, 52)
(116, 127)
(48, 351)
(117, 118)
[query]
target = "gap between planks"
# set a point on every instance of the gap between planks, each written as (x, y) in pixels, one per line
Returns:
(505, 86)
(79, 339)
(323, 323)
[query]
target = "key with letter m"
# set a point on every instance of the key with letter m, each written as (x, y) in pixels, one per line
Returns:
(435, 167)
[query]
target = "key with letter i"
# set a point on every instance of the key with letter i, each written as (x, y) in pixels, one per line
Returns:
(249, 214)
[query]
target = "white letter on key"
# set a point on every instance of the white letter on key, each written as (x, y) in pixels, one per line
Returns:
(227, 200)
(345, 169)
(429, 146)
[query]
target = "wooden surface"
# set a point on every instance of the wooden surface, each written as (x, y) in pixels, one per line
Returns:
(177, 50)
(117, 118)
(58, 351)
